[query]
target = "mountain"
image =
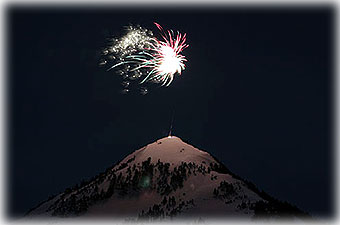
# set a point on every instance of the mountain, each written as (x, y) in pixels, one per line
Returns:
(167, 179)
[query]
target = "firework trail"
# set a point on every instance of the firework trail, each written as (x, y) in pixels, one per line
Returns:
(139, 55)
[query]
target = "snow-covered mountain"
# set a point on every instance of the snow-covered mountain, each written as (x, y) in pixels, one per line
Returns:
(167, 179)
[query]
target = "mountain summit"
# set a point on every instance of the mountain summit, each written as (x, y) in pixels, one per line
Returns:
(167, 179)
(171, 150)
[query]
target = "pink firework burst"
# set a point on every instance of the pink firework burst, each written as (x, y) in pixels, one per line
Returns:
(144, 56)
(166, 59)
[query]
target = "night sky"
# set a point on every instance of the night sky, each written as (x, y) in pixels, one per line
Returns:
(256, 94)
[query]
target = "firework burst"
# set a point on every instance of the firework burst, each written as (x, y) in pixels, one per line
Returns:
(139, 55)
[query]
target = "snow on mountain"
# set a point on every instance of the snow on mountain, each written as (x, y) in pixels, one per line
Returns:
(170, 150)
(166, 179)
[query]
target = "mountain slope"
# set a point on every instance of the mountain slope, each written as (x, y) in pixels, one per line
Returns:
(166, 179)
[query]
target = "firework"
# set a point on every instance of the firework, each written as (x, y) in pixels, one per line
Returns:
(139, 55)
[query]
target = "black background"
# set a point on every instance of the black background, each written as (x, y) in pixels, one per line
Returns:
(256, 94)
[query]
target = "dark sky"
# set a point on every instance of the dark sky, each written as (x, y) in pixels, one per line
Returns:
(256, 94)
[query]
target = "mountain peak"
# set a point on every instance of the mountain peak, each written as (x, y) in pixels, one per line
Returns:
(171, 150)
(170, 138)
(165, 179)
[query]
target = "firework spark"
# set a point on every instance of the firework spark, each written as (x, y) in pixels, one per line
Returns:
(139, 55)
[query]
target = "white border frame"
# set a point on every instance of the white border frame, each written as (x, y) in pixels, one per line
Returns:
(5, 114)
